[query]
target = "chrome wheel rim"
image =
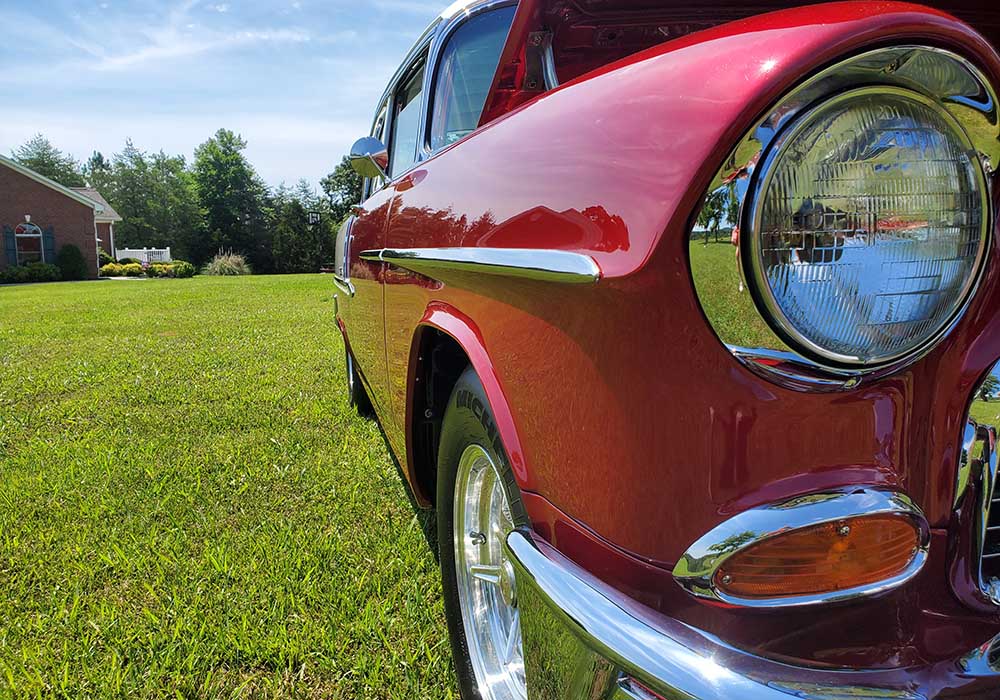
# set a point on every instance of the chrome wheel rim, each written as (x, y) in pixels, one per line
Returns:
(487, 593)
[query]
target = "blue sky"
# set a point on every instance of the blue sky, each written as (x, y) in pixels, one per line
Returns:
(297, 78)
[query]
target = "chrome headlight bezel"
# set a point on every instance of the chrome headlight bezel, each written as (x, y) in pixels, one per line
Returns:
(957, 89)
(752, 224)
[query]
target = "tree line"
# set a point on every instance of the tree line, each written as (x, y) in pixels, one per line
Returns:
(216, 202)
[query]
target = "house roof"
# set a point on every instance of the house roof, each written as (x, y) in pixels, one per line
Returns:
(109, 213)
(52, 184)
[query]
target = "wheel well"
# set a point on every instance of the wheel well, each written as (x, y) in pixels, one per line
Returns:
(440, 361)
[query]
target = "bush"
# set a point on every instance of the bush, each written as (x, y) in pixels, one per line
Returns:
(175, 268)
(159, 270)
(182, 269)
(103, 257)
(112, 270)
(132, 270)
(35, 272)
(130, 261)
(227, 264)
(72, 263)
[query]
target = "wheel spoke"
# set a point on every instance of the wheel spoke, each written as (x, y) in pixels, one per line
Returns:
(512, 638)
(486, 573)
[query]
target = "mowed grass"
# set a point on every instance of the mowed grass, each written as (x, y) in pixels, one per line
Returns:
(189, 507)
(717, 280)
(986, 412)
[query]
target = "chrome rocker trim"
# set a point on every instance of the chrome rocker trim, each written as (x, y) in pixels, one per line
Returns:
(695, 571)
(543, 265)
(583, 639)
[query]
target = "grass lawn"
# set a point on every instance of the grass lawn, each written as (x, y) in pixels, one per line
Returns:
(189, 508)
(987, 413)
(718, 282)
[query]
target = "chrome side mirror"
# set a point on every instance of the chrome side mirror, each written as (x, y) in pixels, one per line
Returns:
(370, 158)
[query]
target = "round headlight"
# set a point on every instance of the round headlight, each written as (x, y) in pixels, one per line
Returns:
(868, 227)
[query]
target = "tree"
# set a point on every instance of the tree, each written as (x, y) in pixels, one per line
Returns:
(712, 212)
(299, 245)
(232, 198)
(97, 172)
(344, 189)
(155, 194)
(989, 387)
(40, 155)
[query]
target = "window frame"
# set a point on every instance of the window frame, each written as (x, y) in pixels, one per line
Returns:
(434, 69)
(420, 61)
(374, 184)
(428, 49)
(19, 234)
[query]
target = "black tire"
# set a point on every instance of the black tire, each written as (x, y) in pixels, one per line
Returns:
(466, 422)
(356, 389)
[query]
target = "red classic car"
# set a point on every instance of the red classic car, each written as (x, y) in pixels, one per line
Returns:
(662, 467)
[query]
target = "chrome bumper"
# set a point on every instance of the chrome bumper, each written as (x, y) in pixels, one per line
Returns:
(584, 640)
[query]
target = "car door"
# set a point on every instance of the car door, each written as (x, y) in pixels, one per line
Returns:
(460, 76)
(364, 313)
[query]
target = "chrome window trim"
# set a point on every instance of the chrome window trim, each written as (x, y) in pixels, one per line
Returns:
(545, 265)
(695, 571)
(955, 85)
(445, 33)
(420, 59)
(432, 40)
(371, 185)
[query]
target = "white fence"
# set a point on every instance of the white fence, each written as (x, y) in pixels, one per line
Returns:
(146, 255)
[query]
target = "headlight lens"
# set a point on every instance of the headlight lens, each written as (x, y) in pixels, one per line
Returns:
(868, 226)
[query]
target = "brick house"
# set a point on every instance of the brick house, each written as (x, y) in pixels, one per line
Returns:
(39, 216)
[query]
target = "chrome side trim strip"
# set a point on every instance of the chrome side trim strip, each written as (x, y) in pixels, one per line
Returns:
(695, 571)
(543, 265)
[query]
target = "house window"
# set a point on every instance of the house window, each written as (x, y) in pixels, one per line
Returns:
(28, 243)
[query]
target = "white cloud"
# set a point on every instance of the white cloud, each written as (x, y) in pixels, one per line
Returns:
(221, 7)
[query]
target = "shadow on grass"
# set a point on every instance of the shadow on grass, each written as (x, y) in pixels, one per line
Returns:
(426, 517)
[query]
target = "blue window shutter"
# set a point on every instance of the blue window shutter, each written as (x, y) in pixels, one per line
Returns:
(49, 245)
(10, 245)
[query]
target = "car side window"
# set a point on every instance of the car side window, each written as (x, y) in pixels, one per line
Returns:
(465, 74)
(374, 184)
(406, 120)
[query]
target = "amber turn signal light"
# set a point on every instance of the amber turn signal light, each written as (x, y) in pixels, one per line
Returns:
(822, 559)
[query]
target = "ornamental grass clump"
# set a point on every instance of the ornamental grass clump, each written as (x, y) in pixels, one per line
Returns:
(227, 264)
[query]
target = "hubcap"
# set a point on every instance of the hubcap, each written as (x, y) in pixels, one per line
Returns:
(487, 592)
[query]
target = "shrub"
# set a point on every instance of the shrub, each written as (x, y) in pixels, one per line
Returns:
(112, 270)
(159, 270)
(130, 261)
(72, 263)
(35, 272)
(132, 270)
(227, 264)
(103, 257)
(182, 268)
